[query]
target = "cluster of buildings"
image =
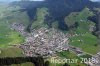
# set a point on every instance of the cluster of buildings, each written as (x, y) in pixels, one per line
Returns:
(42, 41)
(45, 42)
(20, 28)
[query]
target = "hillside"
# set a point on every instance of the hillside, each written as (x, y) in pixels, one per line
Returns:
(52, 28)
(57, 9)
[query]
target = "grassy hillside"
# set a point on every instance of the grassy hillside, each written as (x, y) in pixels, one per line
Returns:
(83, 37)
(40, 18)
(80, 17)
(8, 36)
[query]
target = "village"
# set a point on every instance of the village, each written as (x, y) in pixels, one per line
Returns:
(42, 41)
(46, 42)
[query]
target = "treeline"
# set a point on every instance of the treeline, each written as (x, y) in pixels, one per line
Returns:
(37, 61)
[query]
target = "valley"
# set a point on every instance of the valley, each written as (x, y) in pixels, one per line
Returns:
(48, 32)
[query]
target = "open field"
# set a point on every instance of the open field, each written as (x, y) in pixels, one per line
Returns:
(11, 52)
(8, 36)
(86, 42)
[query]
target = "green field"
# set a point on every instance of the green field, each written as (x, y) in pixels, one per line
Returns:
(66, 54)
(11, 52)
(87, 42)
(8, 36)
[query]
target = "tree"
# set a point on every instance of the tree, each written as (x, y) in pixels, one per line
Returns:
(76, 24)
(66, 64)
(96, 45)
(46, 63)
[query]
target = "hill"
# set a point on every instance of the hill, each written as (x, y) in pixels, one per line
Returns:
(58, 9)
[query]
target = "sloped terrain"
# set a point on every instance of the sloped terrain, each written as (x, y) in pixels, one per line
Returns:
(53, 27)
